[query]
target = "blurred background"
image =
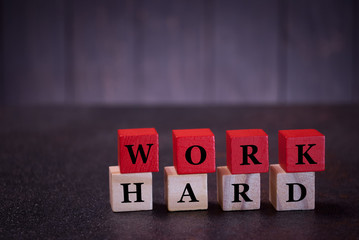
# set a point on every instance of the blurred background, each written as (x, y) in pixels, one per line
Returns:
(179, 52)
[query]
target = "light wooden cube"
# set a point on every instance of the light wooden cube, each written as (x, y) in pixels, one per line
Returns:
(130, 191)
(291, 191)
(238, 191)
(186, 191)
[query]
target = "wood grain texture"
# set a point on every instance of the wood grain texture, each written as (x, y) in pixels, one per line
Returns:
(247, 151)
(138, 150)
(180, 52)
(320, 48)
(173, 51)
(194, 151)
(103, 51)
(226, 194)
(301, 150)
(33, 51)
(117, 192)
(279, 190)
(176, 190)
(246, 51)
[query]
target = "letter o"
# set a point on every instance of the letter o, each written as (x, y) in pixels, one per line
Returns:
(189, 157)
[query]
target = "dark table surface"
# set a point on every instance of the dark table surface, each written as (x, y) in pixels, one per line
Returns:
(54, 173)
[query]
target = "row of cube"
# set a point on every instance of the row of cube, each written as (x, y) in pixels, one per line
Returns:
(247, 150)
(184, 192)
(292, 186)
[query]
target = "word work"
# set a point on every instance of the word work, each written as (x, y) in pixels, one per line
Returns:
(301, 153)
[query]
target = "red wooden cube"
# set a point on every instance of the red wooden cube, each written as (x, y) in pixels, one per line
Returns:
(138, 150)
(194, 151)
(301, 150)
(247, 151)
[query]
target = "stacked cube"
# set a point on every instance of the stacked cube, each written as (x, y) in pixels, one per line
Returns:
(131, 180)
(238, 183)
(186, 181)
(292, 181)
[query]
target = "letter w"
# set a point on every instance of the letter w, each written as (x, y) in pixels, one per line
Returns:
(139, 149)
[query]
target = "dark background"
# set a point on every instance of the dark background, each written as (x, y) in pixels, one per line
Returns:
(179, 52)
(73, 72)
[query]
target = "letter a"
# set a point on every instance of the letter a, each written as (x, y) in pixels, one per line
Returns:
(190, 194)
